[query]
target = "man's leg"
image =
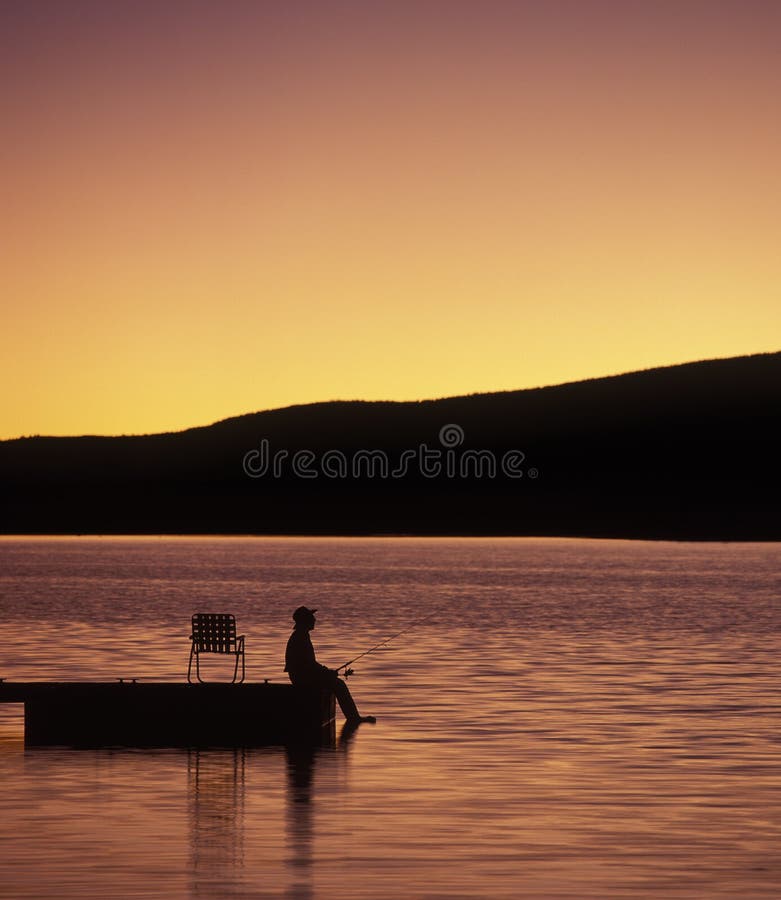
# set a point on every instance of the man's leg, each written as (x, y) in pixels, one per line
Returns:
(345, 699)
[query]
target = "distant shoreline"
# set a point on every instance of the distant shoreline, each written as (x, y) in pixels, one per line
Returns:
(682, 453)
(400, 536)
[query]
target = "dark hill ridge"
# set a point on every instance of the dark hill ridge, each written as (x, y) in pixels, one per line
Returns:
(683, 452)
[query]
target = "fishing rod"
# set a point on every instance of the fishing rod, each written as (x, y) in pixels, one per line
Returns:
(387, 641)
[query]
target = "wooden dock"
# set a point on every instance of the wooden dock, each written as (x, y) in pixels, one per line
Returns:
(157, 714)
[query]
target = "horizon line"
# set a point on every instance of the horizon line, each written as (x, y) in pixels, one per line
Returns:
(539, 387)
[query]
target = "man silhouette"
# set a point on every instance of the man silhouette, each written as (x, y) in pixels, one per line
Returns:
(303, 669)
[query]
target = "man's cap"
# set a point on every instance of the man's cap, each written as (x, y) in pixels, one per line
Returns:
(303, 613)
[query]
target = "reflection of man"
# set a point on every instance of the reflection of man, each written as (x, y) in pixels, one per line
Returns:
(303, 669)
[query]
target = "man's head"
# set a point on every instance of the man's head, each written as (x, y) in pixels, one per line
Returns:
(304, 617)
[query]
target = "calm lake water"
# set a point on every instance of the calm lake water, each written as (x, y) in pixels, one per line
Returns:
(581, 719)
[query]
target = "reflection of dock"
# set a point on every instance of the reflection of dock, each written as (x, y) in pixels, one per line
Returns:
(94, 714)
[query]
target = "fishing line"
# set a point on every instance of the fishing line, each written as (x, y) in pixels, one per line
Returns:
(391, 638)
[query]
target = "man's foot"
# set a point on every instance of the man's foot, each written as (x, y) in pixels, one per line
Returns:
(356, 720)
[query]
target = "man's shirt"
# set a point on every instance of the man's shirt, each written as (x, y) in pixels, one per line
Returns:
(300, 654)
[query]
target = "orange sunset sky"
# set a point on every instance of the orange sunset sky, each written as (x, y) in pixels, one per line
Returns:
(215, 208)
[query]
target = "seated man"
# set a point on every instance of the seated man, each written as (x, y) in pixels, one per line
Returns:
(303, 669)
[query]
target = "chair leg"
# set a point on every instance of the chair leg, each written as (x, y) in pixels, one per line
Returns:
(240, 651)
(194, 653)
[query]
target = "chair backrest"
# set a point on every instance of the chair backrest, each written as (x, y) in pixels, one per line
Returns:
(214, 632)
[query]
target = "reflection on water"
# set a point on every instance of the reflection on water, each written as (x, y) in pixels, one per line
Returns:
(590, 719)
(215, 792)
(301, 801)
(299, 821)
